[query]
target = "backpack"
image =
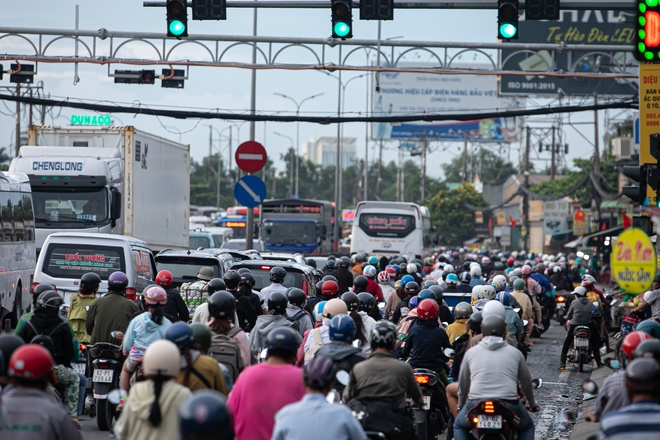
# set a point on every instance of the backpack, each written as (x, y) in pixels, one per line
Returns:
(57, 354)
(402, 329)
(318, 343)
(224, 349)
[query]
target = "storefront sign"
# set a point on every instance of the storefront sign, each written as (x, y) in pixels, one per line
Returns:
(633, 261)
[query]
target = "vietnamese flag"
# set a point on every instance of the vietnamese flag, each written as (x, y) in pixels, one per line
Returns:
(512, 222)
(490, 226)
(627, 221)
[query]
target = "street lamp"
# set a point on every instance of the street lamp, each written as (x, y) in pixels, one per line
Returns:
(292, 160)
(170, 127)
(298, 105)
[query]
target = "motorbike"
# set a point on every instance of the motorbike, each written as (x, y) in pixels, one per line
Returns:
(561, 308)
(107, 362)
(580, 351)
(432, 418)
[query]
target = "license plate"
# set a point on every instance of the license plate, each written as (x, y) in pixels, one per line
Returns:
(427, 402)
(489, 422)
(104, 376)
(79, 368)
(580, 342)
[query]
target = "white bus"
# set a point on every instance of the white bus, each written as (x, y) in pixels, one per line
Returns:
(17, 245)
(392, 228)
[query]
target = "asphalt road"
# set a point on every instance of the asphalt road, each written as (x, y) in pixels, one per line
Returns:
(558, 397)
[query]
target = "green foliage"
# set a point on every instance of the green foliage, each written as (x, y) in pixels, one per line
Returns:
(491, 167)
(454, 221)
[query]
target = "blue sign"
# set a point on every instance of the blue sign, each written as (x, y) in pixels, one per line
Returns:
(250, 191)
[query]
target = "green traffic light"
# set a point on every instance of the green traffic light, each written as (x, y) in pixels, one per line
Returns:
(342, 29)
(507, 30)
(177, 27)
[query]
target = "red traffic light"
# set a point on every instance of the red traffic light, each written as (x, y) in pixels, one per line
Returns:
(176, 7)
(340, 10)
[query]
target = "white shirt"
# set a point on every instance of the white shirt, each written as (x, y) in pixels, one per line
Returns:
(387, 290)
(267, 291)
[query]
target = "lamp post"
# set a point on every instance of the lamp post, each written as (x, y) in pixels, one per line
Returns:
(298, 105)
(219, 171)
(292, 160)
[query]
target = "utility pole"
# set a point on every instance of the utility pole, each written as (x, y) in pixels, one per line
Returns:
(219, 179)
(525, 196)
(30, 109)
(552, 156)
(249, 229)
(337, 231)
(18, 120)
(380, 164)
(208, 165)
(464, 167)
(424, 146)
(596, 147)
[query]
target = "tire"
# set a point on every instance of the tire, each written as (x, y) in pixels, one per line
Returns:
(104, 413)
(619, 354)
(421, 430)
(17, 311)
(581, 359)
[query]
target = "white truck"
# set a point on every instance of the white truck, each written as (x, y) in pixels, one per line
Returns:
(116, 180)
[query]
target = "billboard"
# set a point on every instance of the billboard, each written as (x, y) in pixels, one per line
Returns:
(403, 93)
(611, 28)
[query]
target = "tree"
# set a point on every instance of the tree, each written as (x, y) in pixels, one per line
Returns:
(450, 215)
(490, 167)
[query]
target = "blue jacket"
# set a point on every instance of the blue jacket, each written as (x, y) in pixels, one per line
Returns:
(142, 331)
(542, 281)
(426, 341)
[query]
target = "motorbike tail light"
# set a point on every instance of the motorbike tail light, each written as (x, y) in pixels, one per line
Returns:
(475, 420)
(35, 284)
(561, 299)
(82, 347)
(489, 407)
(102, 366)
(422, 379)
(130, 293)
(582, 334)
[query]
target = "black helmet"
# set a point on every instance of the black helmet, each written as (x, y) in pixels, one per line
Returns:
(243, 270)
(437, 291)
(331, 264)
(215, 285)
(205, 416)
(498, 265)
(411, 286)
(232, 278)
(344, 262)
(475, 323)
(222, 304)
(493, 325)
(329, 278)
(50, 300)
(277, 274)
(8, 344)
(359, 258)
(296, 297)
(351, 300)
(277, 303)
(367, 301)
(283, 338)
(331, 257)
(361, 281)
(383, 335)
(37, 291)
(311, 262)
(90, 281)
(248, 279)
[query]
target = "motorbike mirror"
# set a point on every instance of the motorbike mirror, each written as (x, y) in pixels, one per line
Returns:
(536, 383)
(115, 397)
(333, 396)
(525, 322)
(381, 305)
(517, 309)
(117, 334)
(357, 343)
(590, 387)
(612, 363)
(263, 355)
(449, 353)
(342, 377)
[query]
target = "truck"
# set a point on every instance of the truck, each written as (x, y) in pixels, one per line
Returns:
(117, 180)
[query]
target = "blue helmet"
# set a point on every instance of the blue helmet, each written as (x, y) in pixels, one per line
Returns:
(451, 279)
(465, 277)
(429, 283)
(205, 416)
(406, 279)
(426, 294)
(504, 298)
(342, 328)
(414, 301)
(181, 334)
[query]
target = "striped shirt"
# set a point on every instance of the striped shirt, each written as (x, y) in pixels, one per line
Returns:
(615, 381)
(638, 421)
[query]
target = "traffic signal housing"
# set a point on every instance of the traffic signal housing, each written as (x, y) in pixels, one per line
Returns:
(636, 193)
(507, 19)
(542, 9)
(135, 76)
(342, 19)
(177, 18)
(376, 9)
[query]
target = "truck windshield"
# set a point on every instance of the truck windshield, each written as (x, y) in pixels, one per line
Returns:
(57, 206)
(288, 232)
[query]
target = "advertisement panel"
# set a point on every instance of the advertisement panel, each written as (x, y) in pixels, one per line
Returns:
(573, 27)
(555, 213)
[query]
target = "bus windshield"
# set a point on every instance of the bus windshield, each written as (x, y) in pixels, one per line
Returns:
(275, 232)
(387, 225)
(70, 207)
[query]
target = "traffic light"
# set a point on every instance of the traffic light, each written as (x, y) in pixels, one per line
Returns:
(209, 9)
(22, 75)
(541, 9)
(507, 19)
(135, 76)
(342, 19)
(177, 18)
(647, 30)
(173, 80)
(376, 9)
(636, 193)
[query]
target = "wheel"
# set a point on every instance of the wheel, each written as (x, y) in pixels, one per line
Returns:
(420, 429)
(104, 413)
(619, 354)
(17, 312)
(581, 362)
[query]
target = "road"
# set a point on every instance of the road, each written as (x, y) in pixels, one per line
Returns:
(558, 397)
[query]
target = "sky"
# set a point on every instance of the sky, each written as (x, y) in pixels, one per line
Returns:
(227, 88)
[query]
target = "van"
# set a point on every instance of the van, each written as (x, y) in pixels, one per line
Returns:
(66, 256)
(209, 238)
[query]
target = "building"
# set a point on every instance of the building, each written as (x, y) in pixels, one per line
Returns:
(323, 151)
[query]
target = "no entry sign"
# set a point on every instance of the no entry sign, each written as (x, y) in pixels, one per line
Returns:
(250, 156)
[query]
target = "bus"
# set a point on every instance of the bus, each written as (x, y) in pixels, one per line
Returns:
(236, 219)
(392, 228)
(297, 225)
(18, 254)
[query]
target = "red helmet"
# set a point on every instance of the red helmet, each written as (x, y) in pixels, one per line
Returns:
(164, 278)
(330, 288)
(155, 295)
(428, 310)
(632, 340)
(510, 261)
(30, 362)
(383, 277)
(391, 271)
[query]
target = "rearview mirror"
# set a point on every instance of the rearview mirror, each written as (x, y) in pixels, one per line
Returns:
(449, 353)
(342, 377)
(115, 205)
(536, 383)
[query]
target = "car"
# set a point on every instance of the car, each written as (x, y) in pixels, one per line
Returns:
(297, 275)
(284, 256)
(238, 244)
(320, 261)
(185, 265)
(210, 237)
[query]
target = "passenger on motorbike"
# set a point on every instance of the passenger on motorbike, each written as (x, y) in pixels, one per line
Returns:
(175, 307)
(222, 309)
(248, 303)
(112, 312)
(276, 317)
(411, 289)
(295, 312)
(81, 302)
(579, 313)
(201, 313)
(205, 416)
(353, 305)
(339, 349)
(462, 313)
(321, 335)
(366, 303)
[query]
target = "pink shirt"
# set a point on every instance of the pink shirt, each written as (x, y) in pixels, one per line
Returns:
(260, 391)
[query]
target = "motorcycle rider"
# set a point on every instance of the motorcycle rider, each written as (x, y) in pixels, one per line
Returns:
(86, 296)
(492, 370)
(175, 306)
(329, 268)
(411, 289)
(385, 286)
(112, 312)
(579, 313)
(356, 270)
(202, 311)
(344, 275)
(373, 287)
(277, 275)
(198, 289)
(534, 289)
(276, 317)
(339, 349)
(205, 416)
(295, 312)
(248, 303)
(525, 303)
(321, 335)
(366, 303)
(222, 312)
(559, 280)
(462, 313)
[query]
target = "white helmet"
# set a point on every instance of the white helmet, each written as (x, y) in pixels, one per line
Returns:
(410, 268)
(499, 279)
(493, 308)
(580, 291)
(449, 267)
(162, 358)
(475, 271)
(556, 268)
(488, 292)
(476, 292)
(485, 260)
(588, 277)
(370, 271)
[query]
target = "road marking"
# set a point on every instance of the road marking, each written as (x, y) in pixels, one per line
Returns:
(249, 191)
(564, 375)
(555, 383)
(248, 156)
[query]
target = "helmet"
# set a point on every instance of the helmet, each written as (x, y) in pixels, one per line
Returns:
(37, 291)
(383, 334)
(632, 341)
(580, 291)
(30, 362)
(426, 294)
(164, 278)
(181, 334)
(504, 298)
(232, 279)
(488, 292)
(650, 348)
(369, 271)
(476, 292)
(342, 328)
(361, 282)
(359, 258)
(650, 327)
(329, 278)
(499, 280)
(205, 273)
(243, 270)
(462, 310)
(8, 344)
(319, 373)
(311, 262)
(373, 260)
(117, 281)
(222, 304)
(588, 277)
(437, 291)
(215, 285)
(414, 301)
(50, 300)
(155, 295)
(475, 271)
(296, 297)
(411, 268)
(318, 311)
(526, 270)
(329, 288)
(351, 300)
(162, 358)
(428, 310)
(344, 262)
(465, 278)
(429, 283)
(334, 307)
(202, 335)
(367, 301)
(485, 260)
(330, 264)
(540, 268)
(510, 261)
(318, 286)
(519, 284)
(383, 277)
(643, 376)
(498, 265)
(451, 279)
(277, 274)
(493, 325)
(205, 416)
(283, 338)
(406, 279)
(493, 308)
(412, 286)
(92, 280)
(556, 269)
(277, 303)
(475, 323)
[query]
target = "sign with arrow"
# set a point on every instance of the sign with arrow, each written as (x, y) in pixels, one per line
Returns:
(250, 191)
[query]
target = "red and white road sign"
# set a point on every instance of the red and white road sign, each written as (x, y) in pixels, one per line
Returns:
(250, 156)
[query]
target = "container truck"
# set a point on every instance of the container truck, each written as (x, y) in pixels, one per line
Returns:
(117, 180)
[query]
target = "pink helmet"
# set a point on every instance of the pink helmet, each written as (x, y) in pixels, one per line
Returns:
(155, 295)
(384, 277)
(526, 270)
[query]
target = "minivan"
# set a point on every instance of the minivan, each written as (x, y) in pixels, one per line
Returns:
(66, 256)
